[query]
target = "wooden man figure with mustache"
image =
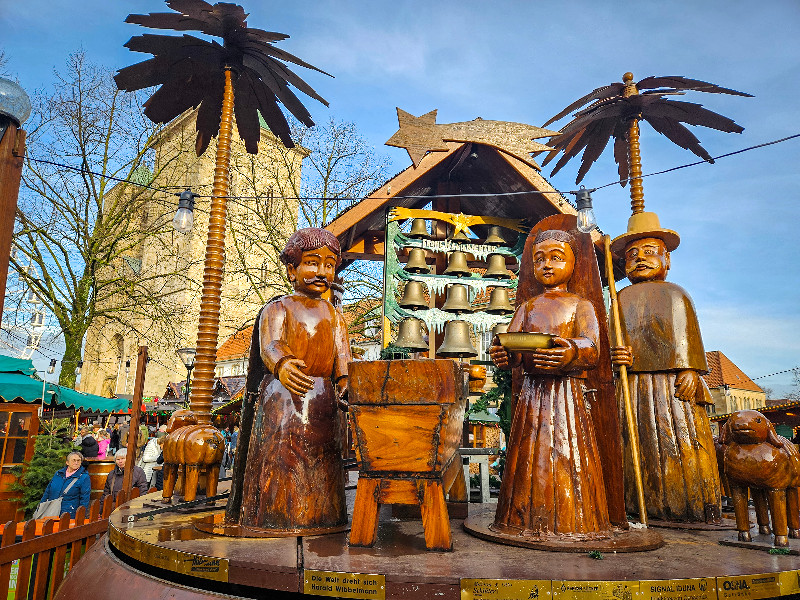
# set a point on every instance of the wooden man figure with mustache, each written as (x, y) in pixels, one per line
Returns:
(664, 354)
(293, 481)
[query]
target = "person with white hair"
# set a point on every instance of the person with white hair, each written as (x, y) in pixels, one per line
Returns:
(115, 477)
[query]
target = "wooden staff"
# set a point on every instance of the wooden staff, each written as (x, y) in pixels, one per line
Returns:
(623, 377)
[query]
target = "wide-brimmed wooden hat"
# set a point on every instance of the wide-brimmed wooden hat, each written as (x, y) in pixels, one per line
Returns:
(645, 225)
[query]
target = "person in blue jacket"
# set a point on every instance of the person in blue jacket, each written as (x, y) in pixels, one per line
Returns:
(78, 493)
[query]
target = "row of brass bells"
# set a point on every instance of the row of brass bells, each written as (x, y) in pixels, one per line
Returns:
(418, 229)
(413, 296)
(457, 299)
(456, 343)
(494, 238)
(457, 264)
(416, 261)
(496, 268)
(409, 335)
(499, 303)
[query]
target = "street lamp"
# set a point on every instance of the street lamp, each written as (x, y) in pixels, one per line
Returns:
(187, 358)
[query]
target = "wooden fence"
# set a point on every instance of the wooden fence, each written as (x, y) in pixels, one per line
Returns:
(42, 553)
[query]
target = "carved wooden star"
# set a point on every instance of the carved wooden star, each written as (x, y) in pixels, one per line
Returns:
(419, 135)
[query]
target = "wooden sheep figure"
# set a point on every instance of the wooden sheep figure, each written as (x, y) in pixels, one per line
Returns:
(756, 457)
(189, 447)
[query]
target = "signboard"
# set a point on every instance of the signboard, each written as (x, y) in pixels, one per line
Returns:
(344, 585)
(505, 589)
(595, 590)
(679, 589)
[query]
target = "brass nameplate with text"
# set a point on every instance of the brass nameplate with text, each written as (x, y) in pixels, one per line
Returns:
(704, 588)
(595, 590)
(344, 585)
(505, 589)
(747, 587)
(199, 565)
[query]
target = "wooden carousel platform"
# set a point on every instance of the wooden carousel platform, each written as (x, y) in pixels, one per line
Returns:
(167, 556)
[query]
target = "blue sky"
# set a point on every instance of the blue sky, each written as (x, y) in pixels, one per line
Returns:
(525, 61)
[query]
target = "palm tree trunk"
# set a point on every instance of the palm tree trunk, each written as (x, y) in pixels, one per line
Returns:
(208, 327)
(635, 168)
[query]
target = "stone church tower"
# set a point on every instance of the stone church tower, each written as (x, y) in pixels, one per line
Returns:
(262, 213)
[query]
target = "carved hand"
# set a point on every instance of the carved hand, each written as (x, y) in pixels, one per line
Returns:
(553, 359)
(501, 357)
(686, 385)
(292, 377)
(622, 355)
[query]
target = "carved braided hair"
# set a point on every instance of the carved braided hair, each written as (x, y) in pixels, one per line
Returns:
(558, 235)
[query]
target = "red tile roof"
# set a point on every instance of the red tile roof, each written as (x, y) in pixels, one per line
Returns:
(237, 346)
(724, 372)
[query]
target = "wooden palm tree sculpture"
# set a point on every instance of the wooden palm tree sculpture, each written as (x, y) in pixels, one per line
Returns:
(616, 111)
(194, 72)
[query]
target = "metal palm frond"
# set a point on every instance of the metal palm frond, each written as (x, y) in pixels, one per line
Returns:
(613, 107)
(190, 72)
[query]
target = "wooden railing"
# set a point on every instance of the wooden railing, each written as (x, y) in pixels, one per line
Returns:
(42, 553)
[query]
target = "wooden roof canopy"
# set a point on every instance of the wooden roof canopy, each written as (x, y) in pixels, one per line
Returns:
(477, 163)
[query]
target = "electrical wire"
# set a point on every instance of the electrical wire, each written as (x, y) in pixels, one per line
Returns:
(166, 189)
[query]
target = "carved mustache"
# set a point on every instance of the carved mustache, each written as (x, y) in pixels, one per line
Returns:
(318, 279)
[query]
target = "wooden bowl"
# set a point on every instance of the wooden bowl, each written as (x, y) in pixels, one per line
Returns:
(521, 341)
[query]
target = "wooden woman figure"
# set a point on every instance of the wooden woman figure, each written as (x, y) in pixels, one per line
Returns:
(552, 485)
(293, 480)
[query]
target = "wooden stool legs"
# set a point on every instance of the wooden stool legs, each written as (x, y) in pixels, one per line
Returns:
(364, 530)
(435, 519)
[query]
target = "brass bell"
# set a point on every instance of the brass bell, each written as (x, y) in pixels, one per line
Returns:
(457, 299)
(460, 237)
(409, 335)
(413, 296)
(499, 328)
(456, 343)
(457, 264)
(496, 268)
(499, 304)
(418, 229)
(494, 238)
(416, 261)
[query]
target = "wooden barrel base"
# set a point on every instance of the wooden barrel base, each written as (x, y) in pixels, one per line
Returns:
(632, 540)
(726, 524)
(216, 525)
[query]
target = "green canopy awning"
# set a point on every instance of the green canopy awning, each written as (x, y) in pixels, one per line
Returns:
(19, 383)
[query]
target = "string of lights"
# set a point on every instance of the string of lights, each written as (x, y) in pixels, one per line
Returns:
(169, 189)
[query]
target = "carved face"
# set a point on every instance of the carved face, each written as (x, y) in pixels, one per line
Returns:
(553, 262)
(315, 273)
(646, 260)
(748, 427)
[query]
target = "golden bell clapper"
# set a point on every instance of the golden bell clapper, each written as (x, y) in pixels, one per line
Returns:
(457, 343)
(499, 304)
(416, 261)
(457, 264)
(457, 299)
(494, 238)
(413, 296)
(418, 229)
(496, 267)
(409, 335)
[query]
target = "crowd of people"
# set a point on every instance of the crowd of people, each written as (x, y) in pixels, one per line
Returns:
(96, 442)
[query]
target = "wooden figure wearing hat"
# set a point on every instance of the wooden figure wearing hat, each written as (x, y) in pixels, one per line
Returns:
(663, 351)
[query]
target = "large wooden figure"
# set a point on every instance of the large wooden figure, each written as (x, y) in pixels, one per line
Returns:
(553, 482)
(293, 481)
(664, 354)
(758, 459)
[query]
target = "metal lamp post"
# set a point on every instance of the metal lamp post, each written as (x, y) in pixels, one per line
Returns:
(187, 356)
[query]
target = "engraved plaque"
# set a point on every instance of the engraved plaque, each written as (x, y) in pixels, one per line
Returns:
(505, 589)
(679, 589)
(344, 585)
(595, 590)
(198, 565)
(744, 587)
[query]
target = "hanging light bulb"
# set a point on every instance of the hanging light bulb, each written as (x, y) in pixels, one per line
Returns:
(184, 218)
(79, 367)
(127, 366)
(52, 368)
(586, 219)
